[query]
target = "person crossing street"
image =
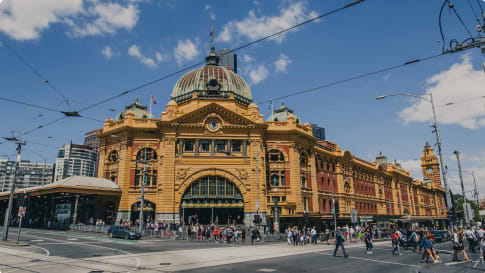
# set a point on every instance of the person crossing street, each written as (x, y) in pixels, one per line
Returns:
(339, 242)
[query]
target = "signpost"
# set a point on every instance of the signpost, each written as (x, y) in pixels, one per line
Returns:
(21, 216)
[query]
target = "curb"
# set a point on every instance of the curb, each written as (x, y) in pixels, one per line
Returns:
(10, 243)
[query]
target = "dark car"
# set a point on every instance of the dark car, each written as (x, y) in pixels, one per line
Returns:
(440, 235)
(123, 232)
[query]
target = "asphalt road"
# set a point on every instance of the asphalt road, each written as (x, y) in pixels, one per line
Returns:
(85, 245)
(76, 245)
(380, 261)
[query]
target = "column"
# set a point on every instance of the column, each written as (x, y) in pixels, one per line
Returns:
(213, 147)
(181, 147)
(244, 147)
(196, 147)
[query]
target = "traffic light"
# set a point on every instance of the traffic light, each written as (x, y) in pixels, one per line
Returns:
(257, 219)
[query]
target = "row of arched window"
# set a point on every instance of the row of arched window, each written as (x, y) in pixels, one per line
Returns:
(145, 154)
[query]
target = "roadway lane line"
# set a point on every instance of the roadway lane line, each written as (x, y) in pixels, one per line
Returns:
(377, 261)
(138, 261)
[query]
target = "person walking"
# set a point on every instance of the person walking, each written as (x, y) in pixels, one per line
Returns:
(395, 243)
(339, 242)
(458, 245)
(471, 238)
(314, 235)
(368, 241)
(412, 240)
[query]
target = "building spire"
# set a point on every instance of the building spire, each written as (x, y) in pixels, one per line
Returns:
(212, 58)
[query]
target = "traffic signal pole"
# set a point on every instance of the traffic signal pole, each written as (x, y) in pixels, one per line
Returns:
(12, 192)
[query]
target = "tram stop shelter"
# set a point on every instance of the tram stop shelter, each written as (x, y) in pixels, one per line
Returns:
(76, 199)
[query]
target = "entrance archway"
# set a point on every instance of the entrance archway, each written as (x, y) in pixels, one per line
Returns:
(212, 199)
(148, 211)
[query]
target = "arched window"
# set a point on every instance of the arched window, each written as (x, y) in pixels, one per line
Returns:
(276, 156)
(146, 154)
(113, 157)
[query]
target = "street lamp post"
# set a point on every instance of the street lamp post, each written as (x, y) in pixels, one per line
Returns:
(440, 149)
(475, 192)
(465, 211)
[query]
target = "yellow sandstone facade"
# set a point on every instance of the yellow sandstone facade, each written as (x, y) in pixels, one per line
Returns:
(211, 154)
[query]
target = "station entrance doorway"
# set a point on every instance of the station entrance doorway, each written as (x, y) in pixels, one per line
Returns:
(212, 199)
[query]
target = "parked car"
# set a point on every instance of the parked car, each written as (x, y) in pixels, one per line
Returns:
(440, 235)
(123, 232)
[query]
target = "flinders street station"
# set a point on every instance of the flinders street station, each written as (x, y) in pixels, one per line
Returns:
(211, 156)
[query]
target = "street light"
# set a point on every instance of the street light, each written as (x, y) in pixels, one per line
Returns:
(475, 192)
(438, 140)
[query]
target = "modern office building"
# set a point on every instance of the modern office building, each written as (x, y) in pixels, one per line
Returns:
(91, 139)
(227, 59)
(212, 154)
(318, 132)
(29, 174)
(75, 160)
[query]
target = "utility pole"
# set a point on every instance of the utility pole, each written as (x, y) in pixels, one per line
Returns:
(465, 212)
(440, 149)
(12, 191)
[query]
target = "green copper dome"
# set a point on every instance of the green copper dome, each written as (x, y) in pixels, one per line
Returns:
(139, 110)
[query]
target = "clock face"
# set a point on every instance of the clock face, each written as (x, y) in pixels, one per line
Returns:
(213, 125)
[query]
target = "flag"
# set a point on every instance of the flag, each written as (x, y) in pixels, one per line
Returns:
(154, 101)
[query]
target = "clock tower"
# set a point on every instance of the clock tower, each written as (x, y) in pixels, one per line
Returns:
(431, 166)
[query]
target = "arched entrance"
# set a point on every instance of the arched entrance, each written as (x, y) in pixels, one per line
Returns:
(212, 199)
(148, 211)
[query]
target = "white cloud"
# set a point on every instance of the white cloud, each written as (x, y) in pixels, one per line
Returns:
(107, 53)
(134, 51)
(414, 168)
(469, 163)
(245, 58)
(185, 51)
(258, 74)
(160, 57)
(458, 84)
(210, 11)
(25, 20)
(254, 27)
(282, 63)
(108, 18)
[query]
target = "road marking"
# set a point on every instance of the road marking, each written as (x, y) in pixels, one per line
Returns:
(373, 260)
(462, 262)
(73, 239)
(266, 270)
(38, 240)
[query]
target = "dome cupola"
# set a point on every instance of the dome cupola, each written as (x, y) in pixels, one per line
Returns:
(212, 81)
(137, 108)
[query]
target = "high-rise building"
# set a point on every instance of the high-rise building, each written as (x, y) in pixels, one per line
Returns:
(75, 159)
(91, 139)
(29, 174)
(227, 59)
(318, 132)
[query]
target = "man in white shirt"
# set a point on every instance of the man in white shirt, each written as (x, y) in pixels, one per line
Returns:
(471, 238)
(314, 235)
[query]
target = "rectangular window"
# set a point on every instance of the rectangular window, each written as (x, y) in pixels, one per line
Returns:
(220, 146)
(282, 178)
(229, 188)
(236, 145)
(154, 178)
(205, 146)
(195, 189)
(188, 145)
(220, 187)
(137, 178)
(275, 179)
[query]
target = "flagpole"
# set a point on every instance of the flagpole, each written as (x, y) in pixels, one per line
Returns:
(272, 108)
(151, 100)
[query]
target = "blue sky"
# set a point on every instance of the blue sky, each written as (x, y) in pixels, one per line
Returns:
(91, 50)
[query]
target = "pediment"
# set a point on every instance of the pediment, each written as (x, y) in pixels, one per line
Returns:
(228, 118)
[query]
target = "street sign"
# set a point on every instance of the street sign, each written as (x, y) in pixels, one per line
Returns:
(482, 212)
(353, 213)
(21, 211)
(257, 204)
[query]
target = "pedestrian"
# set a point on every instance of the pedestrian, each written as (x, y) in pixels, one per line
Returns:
(254, 235)
(294, 234)
(289, 235)
(339, 242)
(471, 238)
(412, 239)
(229, 234)
(458, 245)
(243, 236)
(314, 235)
(368, 242)
(395, 243)
(428, 249)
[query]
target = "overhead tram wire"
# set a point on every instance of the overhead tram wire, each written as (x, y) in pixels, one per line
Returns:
(227, 52)
(42, 126)
(452, 6)
(36, 72)
(364, 75)
(473, 11)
